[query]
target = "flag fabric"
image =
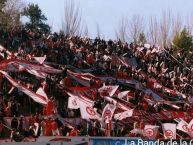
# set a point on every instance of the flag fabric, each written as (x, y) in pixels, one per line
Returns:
(41, 92)
(37, 73)
(183, 126)
(40, 59)
(36, 97)
(123, 115)
(37, 67)
(108, 90)
(190, 127)
(108, 112)
(73, 101)
(82, 78)
(169, 130)
(150, 131)
(123, 94)
(87, 111)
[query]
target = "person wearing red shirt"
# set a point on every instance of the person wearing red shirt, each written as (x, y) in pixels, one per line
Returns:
(1, 129)
(50, 107)
(48, 127)
(54, 127)
(73, 132)
(67, 82)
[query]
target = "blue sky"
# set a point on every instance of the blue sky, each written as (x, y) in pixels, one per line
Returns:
(107, 13)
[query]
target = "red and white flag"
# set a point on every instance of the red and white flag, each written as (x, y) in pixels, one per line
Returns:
(190, 126)
(82, 78)
(123, 94)
(73, 101)
(37, 73)
(40, 59)
(123, 115)
(169, 130)
(41, 92)
(110, 90)
(36, 97)
(87, 111)
(108, 112)
(183, 126)
(150, 131)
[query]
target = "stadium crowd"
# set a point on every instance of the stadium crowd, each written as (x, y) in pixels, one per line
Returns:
(151, 64)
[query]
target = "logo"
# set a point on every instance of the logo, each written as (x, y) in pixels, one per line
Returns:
(107, 114)
(90, 111)
(169, 134)
(149, 132)
(185, 127)
(74, 102)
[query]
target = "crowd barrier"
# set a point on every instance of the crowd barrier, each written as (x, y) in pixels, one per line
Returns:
(73, 141)
(98, 141)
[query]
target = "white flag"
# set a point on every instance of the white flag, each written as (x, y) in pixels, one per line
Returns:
(169, 130)
(87, 111)
(73, 101)
(108, 89)
(123, 94)
(108, 112)
(123, 115)
(190, 127)
(41, 92)
(150, 131)
(183, 126)
(40, 59)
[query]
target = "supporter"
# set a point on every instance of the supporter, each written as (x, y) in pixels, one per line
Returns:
(151, 69)
(1, 129)
(14, 123)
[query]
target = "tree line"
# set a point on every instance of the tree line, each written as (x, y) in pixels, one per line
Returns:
(169, 30)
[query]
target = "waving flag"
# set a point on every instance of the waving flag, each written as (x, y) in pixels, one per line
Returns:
(108, 90)
(123, 115)
(169, 130)
(150, 131)
(37, 73)
(123, 94)
(183, 126)
(190, 126)
(87, 111)
(73, 101)
(108, 112)
(82, 78)
(41, 92)
(36, 97)
(40, 59)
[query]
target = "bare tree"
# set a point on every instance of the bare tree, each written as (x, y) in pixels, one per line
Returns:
(122, 31)
(153, 29)
(71, 23)
(165, 28)
(136, 26)
(189, 23)
(86, 33)
(98, 31)
(177, 25)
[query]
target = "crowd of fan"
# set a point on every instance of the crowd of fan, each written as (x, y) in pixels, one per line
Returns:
(84, 53)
